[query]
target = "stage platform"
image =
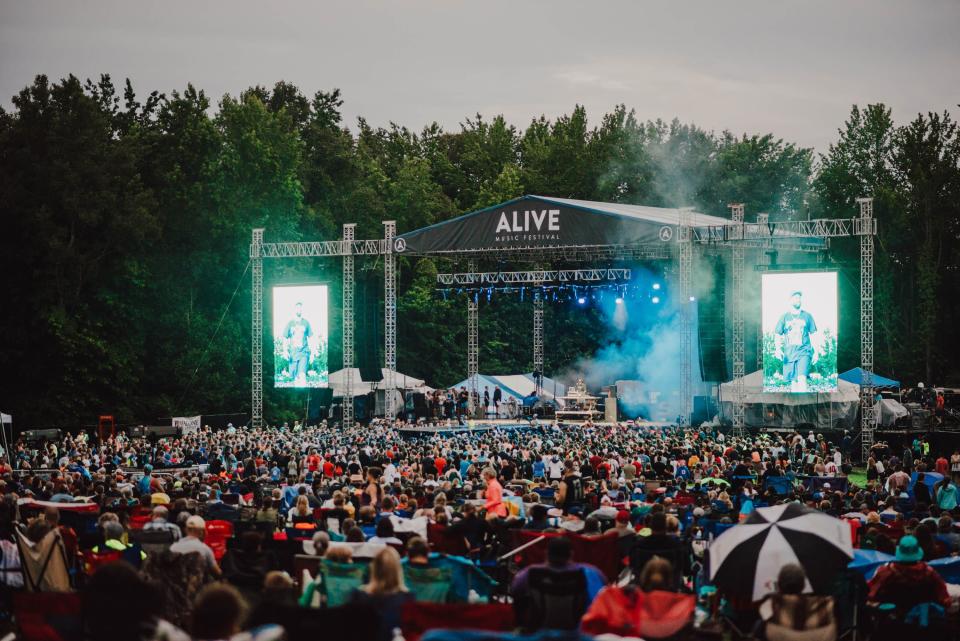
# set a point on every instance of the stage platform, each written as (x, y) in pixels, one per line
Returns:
(507, 424)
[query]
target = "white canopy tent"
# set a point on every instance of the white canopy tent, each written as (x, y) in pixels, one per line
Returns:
(517, 386)
(338, 382)
(782, 409)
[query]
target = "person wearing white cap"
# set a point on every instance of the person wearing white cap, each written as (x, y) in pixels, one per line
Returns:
(193, 543)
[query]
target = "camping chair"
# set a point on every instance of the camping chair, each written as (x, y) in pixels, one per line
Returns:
(179, 577)
(428, 584)
(556, 599)
(418, 617)
(654, 615)
(677, 557)
(44, 564)
(48, 616)
(353, 622)
(153, 542)
(217, 534)
(335, 582)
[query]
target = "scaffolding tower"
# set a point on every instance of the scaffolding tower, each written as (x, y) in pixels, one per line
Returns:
(685, 242)
(866, 228)
(349, 230)
(736, 331)
(389, 318)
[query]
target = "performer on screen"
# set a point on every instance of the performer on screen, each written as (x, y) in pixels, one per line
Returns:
(298, 332)
(793, 343)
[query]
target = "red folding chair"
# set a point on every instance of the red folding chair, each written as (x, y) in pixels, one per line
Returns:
(47, 616)
(417, 617)
(218, 532)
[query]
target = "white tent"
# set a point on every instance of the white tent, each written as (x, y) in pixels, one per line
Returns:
(338, 381)
(776, 409)
(517, 386)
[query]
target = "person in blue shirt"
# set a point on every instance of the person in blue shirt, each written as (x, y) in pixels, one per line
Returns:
(144, 484)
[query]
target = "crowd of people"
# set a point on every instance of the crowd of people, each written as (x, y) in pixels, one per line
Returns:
(371, 488)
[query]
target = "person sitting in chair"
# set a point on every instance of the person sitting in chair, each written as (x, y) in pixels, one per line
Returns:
(789, 615)
(560, 559)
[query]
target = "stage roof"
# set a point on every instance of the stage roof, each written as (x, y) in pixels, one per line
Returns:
(538, 222)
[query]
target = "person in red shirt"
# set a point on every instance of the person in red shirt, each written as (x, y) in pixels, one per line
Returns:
(439, 463)
(328, 469)
(942, 465)
(908, 581)
(313, 461)
(493, 496)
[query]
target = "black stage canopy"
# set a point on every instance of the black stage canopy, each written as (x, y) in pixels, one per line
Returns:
(540, 222)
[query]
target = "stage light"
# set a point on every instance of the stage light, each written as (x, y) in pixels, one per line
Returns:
(656, 285)
(655, 300)
(693, 298)
(581, 301)
(619, 300)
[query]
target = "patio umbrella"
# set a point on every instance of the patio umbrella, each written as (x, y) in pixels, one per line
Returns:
(747, 558)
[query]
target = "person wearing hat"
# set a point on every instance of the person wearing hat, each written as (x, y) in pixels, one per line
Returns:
(908, 581)
(193, 543)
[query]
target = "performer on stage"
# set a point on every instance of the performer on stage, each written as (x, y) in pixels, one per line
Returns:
(297, 333)
(793, 345)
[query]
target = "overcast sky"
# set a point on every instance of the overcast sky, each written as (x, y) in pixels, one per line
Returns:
(791, 68)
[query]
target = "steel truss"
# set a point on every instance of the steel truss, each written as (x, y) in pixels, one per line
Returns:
(537, 277)
(736, 334)
(572, 253)
(866, 227)
(256, 331)
(538, 338)
(473, 348)
(685, 242)
(319, 249)
(349, 229)
(389, 316)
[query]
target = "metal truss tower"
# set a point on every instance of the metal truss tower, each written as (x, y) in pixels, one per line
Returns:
(473, 348)
(866, 227)
(685, 241)
(389, 316)
(538, 338)
(737, 339)
(348, 284)
(256, 330)
(762, 219)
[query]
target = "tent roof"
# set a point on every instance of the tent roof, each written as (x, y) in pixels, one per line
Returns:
(545, 222)
(516, 385)
(753, 392)
(338, 381)
(856, 374)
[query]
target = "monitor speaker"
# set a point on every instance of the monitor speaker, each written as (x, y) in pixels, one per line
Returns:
(712, 327)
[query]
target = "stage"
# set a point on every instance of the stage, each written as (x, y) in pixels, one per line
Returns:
(473, 427)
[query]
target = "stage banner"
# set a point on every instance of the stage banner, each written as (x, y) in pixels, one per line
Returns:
(533, 222)
(187, 424)
(6, 419)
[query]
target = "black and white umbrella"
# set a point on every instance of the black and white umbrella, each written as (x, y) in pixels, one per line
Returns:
(747, 558)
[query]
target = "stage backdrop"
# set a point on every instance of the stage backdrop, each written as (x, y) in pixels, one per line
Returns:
(300, 336)
(799, 321)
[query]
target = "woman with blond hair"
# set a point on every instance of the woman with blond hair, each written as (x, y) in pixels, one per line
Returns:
(386, 591)
(300, 512)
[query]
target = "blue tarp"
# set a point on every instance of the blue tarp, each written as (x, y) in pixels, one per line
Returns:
(855, 376)
(867, 561)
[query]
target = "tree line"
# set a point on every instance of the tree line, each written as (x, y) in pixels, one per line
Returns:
(127, 218)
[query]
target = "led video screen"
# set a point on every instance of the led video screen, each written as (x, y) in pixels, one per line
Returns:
(300, 336)
(799, 321)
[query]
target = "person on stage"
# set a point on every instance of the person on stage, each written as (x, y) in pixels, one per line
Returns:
(297, 333)
(793, 345)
